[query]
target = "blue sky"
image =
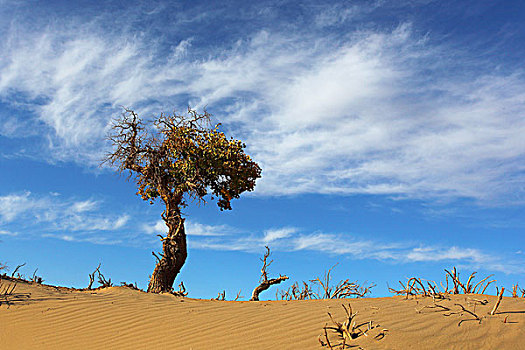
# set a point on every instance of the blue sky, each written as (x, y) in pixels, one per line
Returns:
(390, 134)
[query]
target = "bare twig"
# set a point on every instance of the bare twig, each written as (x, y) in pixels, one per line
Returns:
(434, 306)
(103, 282)
(480, 284)
(181, 292)
(35, 278)
(221, 296)
(469, 312)
(344, 289)
(19, 266)
(415, 286)
(92, 277)
(101, 279)
(129, 285)
(294, 292)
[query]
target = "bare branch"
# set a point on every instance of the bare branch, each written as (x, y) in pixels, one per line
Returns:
(238, 296)
(16, 269)
(498, 301)
(181, 292)
(344, 289)
(221, 296)
(266, 283)
(92, 277)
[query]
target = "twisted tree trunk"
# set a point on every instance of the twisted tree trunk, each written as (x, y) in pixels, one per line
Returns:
(173, 256)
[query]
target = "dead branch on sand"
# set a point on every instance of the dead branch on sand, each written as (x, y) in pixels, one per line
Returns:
(181, 292)
(16, 269)
(221, 296)
(325, 290)
(516, 289)
(36, 279)
(129, 285)
(344, 289)
(8, 295)
(415, 286)
(346, 331)
(434, 306)
(294, 292)
(477, 318)
(498, 301)
(266, 283)
(238, 296)
(461, 312)
(101, 279)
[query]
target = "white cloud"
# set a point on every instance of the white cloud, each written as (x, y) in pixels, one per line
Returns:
(14, 205)
(8, 233)
(192, 229)
(197, 229)
(159, 227)
(83, 206)
(86, 239)
(338, 14)
(291, 239)
(56, 213)
(368, 112)
(91, 223)
(452, 253)
(276, 234)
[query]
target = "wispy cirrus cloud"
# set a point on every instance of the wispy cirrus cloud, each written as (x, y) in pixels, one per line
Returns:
(376, 111)
(84, 238)
(191, 228)
(355, 247)
(8, 233)
(54, 213)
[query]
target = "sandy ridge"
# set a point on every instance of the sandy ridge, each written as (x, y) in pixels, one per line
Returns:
(123, 318)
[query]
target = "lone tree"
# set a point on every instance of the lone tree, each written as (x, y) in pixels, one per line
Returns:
(179, 158)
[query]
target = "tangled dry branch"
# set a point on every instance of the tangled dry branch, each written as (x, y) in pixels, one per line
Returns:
(417, 286)
(325, 289)
(347, 330)
(101, 279)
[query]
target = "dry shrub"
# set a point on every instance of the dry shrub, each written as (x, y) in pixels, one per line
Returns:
(325, 289)
(101, 279)
(417, 286)
(347, 331)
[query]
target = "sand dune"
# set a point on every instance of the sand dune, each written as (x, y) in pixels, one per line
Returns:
(123, 318)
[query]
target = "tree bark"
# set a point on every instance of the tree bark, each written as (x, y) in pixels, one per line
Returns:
(174, 254)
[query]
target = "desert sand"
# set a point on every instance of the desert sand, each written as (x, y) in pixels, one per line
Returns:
(47, 317)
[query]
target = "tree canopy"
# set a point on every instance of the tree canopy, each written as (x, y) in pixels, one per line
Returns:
(182, 155)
